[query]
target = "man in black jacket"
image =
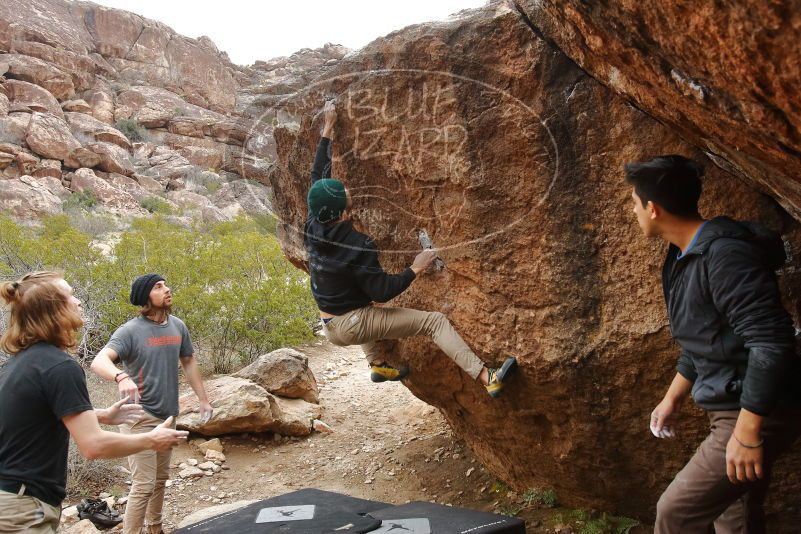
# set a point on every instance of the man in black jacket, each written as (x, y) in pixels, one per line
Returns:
(347, 278)
(737, 356)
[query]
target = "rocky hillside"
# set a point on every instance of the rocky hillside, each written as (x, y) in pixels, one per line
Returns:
(486, 132)
(122, 109)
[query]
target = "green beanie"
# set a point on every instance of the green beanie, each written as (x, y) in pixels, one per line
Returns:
(327, 199)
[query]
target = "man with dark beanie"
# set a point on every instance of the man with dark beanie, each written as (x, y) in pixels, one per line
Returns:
(737, 359)
(347, 278)
(150, 347)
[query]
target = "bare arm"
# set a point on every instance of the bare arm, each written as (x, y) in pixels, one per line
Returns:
(679, 389)
(103, 364)
(192, 372)
(664, 414)
(94, 442)
(104, 367)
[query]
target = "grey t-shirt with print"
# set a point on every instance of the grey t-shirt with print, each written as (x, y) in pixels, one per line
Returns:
(150, 353)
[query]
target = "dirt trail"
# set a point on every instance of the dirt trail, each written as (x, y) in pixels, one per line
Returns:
(386, 445)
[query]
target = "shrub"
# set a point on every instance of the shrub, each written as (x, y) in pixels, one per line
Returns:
(233, 287)
(266, 222)
(85, 200)
(93, 224)
(543, 497)
(156, 205)
(134, 131)
(591, 522)
(208, 179)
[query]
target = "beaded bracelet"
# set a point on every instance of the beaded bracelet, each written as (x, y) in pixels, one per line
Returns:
(758, 445)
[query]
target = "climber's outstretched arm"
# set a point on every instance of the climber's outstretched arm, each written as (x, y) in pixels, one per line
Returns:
(322, 161)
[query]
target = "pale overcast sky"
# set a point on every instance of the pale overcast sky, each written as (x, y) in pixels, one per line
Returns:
(249, 30)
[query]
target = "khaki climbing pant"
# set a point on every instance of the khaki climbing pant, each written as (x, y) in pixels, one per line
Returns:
(702, 495)
(365, 326)
(149, 473)
(23, 513)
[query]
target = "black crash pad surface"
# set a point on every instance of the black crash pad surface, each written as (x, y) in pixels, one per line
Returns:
(307, 511)
(439, 519)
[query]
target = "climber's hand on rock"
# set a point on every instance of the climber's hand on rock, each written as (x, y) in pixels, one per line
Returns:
(330, 114)
(424, 260)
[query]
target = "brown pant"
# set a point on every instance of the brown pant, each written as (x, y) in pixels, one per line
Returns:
(701, 494)
(23, 513)
(149, 473)
(367, 325)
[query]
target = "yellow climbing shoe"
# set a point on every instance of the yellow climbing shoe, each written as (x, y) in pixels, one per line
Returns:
(497, 377)
(381, 372)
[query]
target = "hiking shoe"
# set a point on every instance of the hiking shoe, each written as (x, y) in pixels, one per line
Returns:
(498, 377)
(99, 513)
(381, 372)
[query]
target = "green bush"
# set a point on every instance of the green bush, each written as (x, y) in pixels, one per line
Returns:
(134, 131)
(587, 522)
(543, 497)
(92, 223)
(208, 179)
(80, 200)
(266, 222)
(233, 287)
(156, 205)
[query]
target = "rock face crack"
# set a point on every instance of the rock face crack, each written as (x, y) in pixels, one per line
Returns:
(528, 22)
(130, 49)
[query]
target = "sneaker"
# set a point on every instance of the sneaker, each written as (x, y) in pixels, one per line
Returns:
(99, 513)
(498, 377)
(381, 372)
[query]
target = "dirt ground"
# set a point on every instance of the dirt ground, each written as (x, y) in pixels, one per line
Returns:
(386, 445)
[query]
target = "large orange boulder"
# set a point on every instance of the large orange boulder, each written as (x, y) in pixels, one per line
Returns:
(481, 132)
(723, 74)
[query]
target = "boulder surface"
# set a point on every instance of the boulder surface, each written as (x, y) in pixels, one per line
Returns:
(483, 133)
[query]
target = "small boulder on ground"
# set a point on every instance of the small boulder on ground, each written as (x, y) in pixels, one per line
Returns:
(241, 405)
(83, 526)
(214, 455)
(191, 472)
(283, 372)
(211, 445)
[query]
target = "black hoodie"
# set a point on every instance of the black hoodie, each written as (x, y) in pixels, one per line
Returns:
(343, 263)
(725, 309)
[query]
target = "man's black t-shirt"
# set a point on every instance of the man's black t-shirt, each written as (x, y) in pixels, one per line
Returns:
(38, 387)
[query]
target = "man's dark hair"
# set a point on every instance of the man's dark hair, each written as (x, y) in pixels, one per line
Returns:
(673, 182)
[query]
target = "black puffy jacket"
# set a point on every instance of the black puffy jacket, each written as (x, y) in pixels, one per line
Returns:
(737, 340)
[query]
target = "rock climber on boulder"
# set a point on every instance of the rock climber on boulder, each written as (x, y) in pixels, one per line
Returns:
(347, 278)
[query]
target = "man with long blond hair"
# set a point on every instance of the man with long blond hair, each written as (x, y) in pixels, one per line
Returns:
(150, 347)
(44, 400)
